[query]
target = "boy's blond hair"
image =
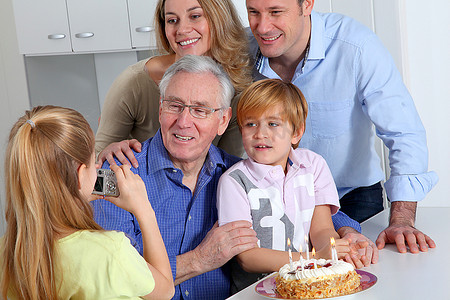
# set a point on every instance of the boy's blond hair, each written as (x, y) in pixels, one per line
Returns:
(263, 95)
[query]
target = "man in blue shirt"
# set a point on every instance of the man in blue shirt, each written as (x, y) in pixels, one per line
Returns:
(180, 169)
(351, 84)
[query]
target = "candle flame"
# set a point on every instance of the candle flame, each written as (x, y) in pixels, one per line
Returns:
(333, 243)
(289, 242)
(313, 252)
(300, 249)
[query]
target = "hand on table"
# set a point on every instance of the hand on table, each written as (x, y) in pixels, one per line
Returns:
(399, 234)
(121, 150)
(401, 229)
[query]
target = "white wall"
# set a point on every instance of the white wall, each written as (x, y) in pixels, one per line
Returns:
(13, 88)
(428, 79)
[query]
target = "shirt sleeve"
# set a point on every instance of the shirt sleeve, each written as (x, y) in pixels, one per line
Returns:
(325, 188)
(232, 201)
(340, 219)
(387, 102)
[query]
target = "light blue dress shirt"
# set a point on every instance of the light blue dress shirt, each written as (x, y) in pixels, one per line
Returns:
(351, 85)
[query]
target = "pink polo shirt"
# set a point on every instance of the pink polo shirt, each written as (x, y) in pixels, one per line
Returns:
(279, 206)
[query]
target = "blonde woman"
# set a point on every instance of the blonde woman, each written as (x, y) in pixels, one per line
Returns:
(53, 248)
(203, 27)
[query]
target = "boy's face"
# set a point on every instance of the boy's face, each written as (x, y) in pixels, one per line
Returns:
(268, 138)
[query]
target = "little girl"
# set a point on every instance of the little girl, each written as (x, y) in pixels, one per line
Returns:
(53, 249)
(286, 192)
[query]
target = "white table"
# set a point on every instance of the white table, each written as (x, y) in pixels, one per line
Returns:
(403, 276)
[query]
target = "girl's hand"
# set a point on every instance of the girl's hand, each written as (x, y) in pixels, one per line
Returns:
(133, 194)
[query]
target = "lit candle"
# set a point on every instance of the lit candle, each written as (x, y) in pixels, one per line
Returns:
(290, 254)
(333, 250)
(307, 247)
(314, 254)
(301, 256)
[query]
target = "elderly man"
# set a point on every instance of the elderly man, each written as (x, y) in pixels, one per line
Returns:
(180, 169)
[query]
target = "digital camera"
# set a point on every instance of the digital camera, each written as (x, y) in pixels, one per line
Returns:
(106, 183)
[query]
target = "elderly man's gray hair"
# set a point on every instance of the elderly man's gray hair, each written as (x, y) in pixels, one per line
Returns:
(199, 64)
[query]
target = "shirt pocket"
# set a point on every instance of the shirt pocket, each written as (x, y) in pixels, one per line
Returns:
(330, 119)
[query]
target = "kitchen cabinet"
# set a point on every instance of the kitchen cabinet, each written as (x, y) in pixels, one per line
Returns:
(42, 26)
(98, 25)
(142, 26)
(49, 27)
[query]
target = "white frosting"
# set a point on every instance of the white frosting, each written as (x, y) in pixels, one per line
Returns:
(337, 268)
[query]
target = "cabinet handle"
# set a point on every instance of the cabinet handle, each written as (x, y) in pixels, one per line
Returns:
(56, 36)
(144, 29)
(84, 35)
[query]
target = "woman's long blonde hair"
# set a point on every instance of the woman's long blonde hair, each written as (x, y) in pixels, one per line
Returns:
(46, 146)
(229, 43)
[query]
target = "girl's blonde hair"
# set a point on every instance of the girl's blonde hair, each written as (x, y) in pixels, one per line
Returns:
(229, 44)
(46, 146)
(263, 95)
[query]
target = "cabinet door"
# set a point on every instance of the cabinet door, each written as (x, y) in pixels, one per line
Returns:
(99, 25)
(141, 23)
(42, 26)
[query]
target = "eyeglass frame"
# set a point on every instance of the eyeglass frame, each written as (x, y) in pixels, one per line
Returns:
(190, 107)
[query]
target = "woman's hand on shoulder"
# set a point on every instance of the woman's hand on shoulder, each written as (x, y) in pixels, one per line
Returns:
(122, 150)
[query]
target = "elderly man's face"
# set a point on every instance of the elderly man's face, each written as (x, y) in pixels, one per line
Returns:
(186, 138)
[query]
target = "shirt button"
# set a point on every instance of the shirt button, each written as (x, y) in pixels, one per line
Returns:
(186, 293)
(174, 171)
(189, 218)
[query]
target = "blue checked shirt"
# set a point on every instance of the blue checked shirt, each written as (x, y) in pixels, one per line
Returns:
(184, 219)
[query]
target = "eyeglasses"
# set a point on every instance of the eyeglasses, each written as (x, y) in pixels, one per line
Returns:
(197, 111)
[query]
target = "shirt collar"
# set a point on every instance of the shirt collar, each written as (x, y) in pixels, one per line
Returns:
(261, 171)
(158, 158)
(316, 42)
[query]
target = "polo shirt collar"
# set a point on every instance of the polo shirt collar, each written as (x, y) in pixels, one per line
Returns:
(260, 171)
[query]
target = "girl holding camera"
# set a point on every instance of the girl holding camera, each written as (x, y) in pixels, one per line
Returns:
(53, 248)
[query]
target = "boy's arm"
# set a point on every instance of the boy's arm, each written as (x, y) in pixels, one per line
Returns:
(321, 231)
(263, 260)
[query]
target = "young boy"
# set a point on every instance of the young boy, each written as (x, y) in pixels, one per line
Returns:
(286, 192)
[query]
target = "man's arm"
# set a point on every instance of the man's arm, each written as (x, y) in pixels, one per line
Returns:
(219, 246)
(401, 228)
(391, 109)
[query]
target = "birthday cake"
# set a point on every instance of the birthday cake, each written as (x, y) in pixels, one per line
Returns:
(319, 278)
